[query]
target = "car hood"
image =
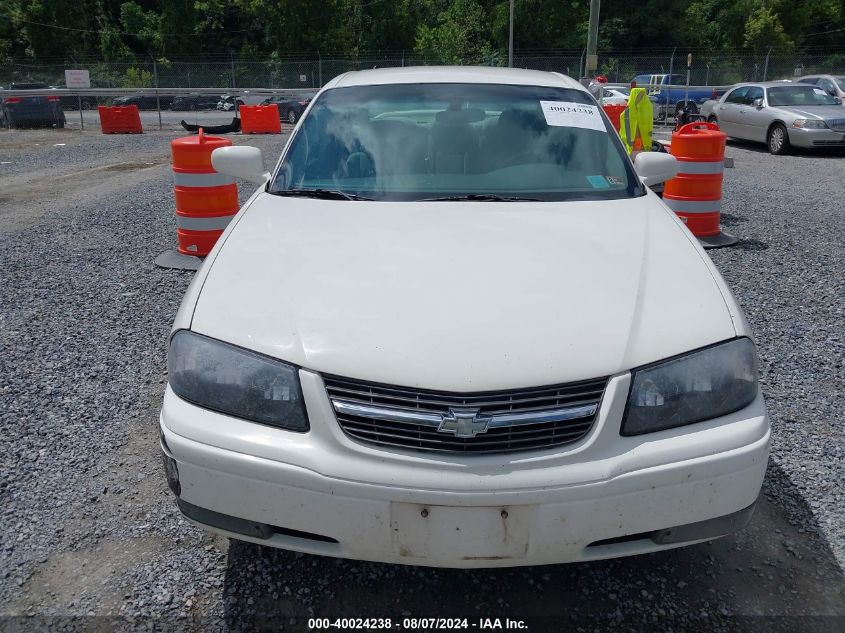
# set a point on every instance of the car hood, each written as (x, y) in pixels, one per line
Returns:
(815, 112)
(462, 296)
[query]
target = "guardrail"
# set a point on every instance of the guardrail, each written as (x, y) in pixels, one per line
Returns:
(81, 93)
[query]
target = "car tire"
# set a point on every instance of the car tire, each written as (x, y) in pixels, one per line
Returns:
(712, 119)
(777, 140)
(60, 123)
(292, 118)
(690, 105)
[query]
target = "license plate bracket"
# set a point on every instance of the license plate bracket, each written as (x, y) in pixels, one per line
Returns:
(461, 533)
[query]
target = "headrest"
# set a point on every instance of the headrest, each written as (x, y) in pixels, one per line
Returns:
(460, 117)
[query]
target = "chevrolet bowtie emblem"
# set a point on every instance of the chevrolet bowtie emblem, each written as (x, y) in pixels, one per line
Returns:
(464, 423)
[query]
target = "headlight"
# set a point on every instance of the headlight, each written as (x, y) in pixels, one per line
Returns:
(704, 384)
(235, 381)
(809, 124)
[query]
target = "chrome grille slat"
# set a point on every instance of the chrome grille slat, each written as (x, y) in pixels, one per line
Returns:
(401, 417)
(548, 436)
(364, 423)
(451, 440)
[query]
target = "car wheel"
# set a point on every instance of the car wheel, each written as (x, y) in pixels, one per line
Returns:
(778, 140)
(61, 123)
(690, 107)
(292, 117)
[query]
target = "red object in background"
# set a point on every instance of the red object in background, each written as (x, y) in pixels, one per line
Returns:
(260, 119)
(120, 119)
(695, 194)
(613, 113)
(206, 201)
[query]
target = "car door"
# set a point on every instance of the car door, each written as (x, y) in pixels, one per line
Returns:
(727, 112)
(753, 121)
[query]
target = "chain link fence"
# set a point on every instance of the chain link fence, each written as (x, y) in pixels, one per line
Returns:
(312, 71)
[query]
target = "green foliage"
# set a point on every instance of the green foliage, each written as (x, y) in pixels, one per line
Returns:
(137, 78)
(763, 29)
(453, 31)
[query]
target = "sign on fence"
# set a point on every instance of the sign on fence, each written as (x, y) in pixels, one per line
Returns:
(77, 79)
(303, 78)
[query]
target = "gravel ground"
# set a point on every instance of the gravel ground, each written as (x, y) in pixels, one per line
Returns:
(90, 533)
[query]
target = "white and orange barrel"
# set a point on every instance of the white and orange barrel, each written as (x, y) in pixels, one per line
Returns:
(206, 201)
(695, 194)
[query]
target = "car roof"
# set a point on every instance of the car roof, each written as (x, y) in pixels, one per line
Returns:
(764, 84)
(454, 74)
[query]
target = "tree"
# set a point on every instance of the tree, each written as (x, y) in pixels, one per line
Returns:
(763, 30)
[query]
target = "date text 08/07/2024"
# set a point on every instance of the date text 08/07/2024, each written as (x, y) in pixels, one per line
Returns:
(416, 623)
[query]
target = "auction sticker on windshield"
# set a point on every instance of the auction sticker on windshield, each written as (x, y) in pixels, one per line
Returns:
(571, 114)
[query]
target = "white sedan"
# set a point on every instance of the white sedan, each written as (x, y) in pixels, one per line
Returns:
(615, 96)
(454, 327)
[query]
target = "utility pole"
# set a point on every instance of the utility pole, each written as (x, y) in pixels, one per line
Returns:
(510, 38)
(592, 63)
(158, 96)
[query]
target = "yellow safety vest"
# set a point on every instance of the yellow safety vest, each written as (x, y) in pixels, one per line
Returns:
(636, 121)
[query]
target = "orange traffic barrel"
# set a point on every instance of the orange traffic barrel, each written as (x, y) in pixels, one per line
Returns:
(206, 201)
(613, 113)
(120, 119)
(260, 119)
(695, 194)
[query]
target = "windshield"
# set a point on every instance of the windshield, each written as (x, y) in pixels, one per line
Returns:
(799, 95)
(424, 141)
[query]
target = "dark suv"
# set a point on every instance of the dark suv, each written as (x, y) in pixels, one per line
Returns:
(40, 111)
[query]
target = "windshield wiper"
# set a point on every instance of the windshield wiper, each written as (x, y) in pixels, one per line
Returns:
(481, 197)
(323, 194)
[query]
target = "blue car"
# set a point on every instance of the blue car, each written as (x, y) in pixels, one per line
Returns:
(40, 111)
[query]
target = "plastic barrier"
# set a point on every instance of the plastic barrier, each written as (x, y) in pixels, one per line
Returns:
(120, 119)
(260, 119)
(206, 200)
(695, 194)
(613, 113)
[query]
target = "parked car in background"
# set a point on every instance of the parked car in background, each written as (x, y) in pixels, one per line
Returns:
(668, 101)
(144, 102)
(227, 103)
(782, 115)
(615, 96)
(607, 404)
(71, 102)
(36, 111)
(195, 102)
(290, 109)
(834, 85)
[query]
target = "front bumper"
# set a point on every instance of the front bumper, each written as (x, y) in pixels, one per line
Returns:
(606, 496)
(800, 137)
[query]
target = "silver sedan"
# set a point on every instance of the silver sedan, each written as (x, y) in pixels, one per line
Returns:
(782, 115)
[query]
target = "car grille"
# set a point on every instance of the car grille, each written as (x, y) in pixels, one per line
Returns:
(836, 124)
(515, 420)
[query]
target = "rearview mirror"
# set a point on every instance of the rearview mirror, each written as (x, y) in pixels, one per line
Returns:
(240, 162)
(655, 167)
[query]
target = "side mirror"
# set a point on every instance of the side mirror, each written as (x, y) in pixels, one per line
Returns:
(240, 162)
(838, 100)
(655, 167)
(758, 102)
